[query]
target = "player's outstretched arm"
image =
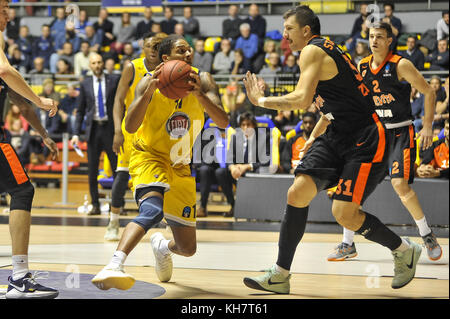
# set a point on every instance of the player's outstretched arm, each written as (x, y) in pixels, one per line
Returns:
(142, 97)
(311, 60)
(408, 72)
(15, 81)
(119, 105)
(206, 91)
(27, 111)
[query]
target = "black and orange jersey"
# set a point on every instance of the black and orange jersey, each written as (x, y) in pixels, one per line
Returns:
(437, 155)
(344, 99)
(3, 93)
(390, 96)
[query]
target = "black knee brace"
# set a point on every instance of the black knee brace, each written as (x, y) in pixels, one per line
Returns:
(22, 197)
(120, 186)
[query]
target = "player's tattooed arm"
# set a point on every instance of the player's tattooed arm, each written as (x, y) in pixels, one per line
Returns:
(301, 98)
(207, 92)
(142, 97)
(408, 72)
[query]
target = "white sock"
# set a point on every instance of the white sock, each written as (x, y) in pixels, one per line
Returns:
(164, 247)
(348, 236)
(404, 246)
(424, 229)
(282, 271)
(117, 260)
(20, 266)
(113, 217)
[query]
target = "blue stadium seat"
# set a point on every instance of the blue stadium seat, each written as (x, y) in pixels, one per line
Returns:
(441, 134)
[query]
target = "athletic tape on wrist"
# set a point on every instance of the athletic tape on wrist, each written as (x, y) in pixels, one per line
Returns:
(261, 101)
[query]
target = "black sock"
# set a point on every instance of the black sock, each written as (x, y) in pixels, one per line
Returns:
(292, 230)
(374, 230)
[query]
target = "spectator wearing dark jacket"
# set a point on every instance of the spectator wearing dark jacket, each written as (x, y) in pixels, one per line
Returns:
(168, 23)
(439, 60)
(258, 24)
(105, 26)
(190, 24)
(230, 26)
(413, 53)
(145, 25)
(43, 46)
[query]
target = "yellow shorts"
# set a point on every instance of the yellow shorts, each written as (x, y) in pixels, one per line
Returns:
(180, 194)
(123, 158)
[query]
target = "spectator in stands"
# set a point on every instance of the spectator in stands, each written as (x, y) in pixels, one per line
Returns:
(285, 50)
(248, 151)
(13, 26)
(63, 67)
(66, 53)
(291, 65)
(15, 114)
(20, 141)
(25, 43)
(48, 91)
(290, 156)
(190, 24)
(270, 46)
(105, 26)
(248, 43)
(442, 26)
(272, 67)
(49, 123)
(17, 59)
(83, 20)
(68, 108)
(145, 25)
(396, 24)
(356, 29)
(413, 53)
(361, 51)
(442, 106)
(202, 60)
(81, 59)
(224, 58)
(439, 60)
(362, 36)
(285, 121)
(435, 160)
(39, 73)
(70, 36)
(127, 33)
(179, 30)
(94, 38)
(232, 100)
(156, 28)
(258, 24)
(110, 66)
(230, 26)
(168, 23)
(436, 85)
(43, 46)
(58, 25)
(240, 65)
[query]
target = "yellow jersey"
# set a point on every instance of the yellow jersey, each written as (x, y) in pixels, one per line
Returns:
(140, 70)
(170, 128)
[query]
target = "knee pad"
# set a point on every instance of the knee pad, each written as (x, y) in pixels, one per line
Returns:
(150, 212)
(22, 197)
(119, 188)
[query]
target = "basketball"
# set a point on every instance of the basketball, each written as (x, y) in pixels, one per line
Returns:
(174, 78)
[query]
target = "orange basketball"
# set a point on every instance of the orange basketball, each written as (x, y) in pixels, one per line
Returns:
(174, 78)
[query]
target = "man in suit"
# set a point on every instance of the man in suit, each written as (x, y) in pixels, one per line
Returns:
(95, 101)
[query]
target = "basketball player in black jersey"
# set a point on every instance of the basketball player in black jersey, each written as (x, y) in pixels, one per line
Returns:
(350, 154)
(13, 178)
(390, 77)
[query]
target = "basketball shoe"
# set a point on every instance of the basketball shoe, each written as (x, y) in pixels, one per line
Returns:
(28, 288)
(163, 262)
(434, 250)
(272, 281)
(342, 252)
(110, 277)
(112, 232)
(405, 264)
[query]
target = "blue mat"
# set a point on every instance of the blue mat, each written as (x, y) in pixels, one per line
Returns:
(79, 286)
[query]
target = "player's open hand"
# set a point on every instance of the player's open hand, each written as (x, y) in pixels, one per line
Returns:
(254, 90)
(49, 105)
(196, 83)
(426, 137)
(52, 147)
(118, 139)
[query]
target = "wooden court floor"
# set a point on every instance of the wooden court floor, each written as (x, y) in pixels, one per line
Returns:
(200, 282)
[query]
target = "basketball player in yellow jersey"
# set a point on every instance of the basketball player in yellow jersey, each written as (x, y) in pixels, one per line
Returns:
(132, 73)
(159, 165)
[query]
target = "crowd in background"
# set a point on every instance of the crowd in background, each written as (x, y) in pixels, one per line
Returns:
(62, 51)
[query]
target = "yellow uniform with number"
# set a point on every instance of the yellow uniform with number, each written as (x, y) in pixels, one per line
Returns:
(123, 159)
(162, 150)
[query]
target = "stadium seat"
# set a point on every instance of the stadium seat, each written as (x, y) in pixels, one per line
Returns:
(297, 129)
(210, 43)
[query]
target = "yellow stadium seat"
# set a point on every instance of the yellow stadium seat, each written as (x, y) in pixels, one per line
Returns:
(210, 42)
(330, 6)
(427, 65)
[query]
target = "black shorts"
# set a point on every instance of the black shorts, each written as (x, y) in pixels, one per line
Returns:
(11, 170)
(402, 153)
(356, 164)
